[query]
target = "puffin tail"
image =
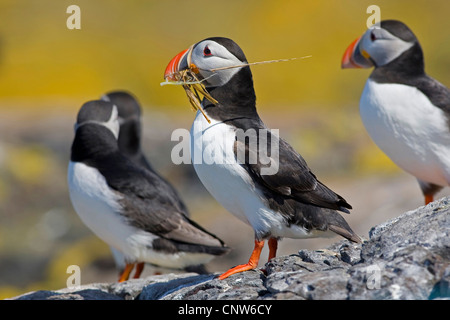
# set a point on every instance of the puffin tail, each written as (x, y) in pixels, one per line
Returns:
(346, 232)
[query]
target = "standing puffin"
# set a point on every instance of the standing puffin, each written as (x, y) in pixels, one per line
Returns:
(129, 141)
(127, 206)
(405, 111)
(290, 202)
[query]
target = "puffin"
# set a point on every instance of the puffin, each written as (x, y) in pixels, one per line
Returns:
(405, 111)
(277, 195)
(129, 141)
(130, 208)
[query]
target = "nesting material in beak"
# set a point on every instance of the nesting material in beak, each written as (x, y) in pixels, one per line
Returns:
(187, 78)
(181, 71)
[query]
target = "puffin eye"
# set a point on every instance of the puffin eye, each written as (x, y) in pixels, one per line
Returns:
(372, 36)
(207, 52)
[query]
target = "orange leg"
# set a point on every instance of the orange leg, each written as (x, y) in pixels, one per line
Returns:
(273, 246)
(251, 264)
(139, 268)
(126, 272)
(428, 198)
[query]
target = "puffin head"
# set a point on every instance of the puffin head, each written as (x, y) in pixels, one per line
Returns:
(221, 66)
(380, 45)
(210, 59)
(99, 112)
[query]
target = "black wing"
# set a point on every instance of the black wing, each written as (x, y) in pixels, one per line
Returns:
(150, 204)
(438, 94)
(293, 178)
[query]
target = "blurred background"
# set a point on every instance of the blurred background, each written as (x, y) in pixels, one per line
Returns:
(48, 71)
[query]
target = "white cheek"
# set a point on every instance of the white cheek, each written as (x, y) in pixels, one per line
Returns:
(383, 51)
(220, 77)
(115, 128)
(113, 123)
(220, 58)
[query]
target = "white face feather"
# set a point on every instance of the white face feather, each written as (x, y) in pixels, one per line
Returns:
(209, 55)
(382, 46)
(113, 122)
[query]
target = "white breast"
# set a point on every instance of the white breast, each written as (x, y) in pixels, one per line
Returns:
(98, 207)
(409, 129)
(229, 183)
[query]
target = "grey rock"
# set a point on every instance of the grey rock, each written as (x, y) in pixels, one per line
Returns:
(85, 294)
(406, 258)
(233, 288)
(160, 290)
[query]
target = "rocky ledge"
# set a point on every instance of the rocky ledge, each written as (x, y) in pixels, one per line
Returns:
(405, 258)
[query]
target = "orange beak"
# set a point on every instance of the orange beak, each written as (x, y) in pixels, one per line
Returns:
(180, 62)
(348, 60)
(174, 66)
